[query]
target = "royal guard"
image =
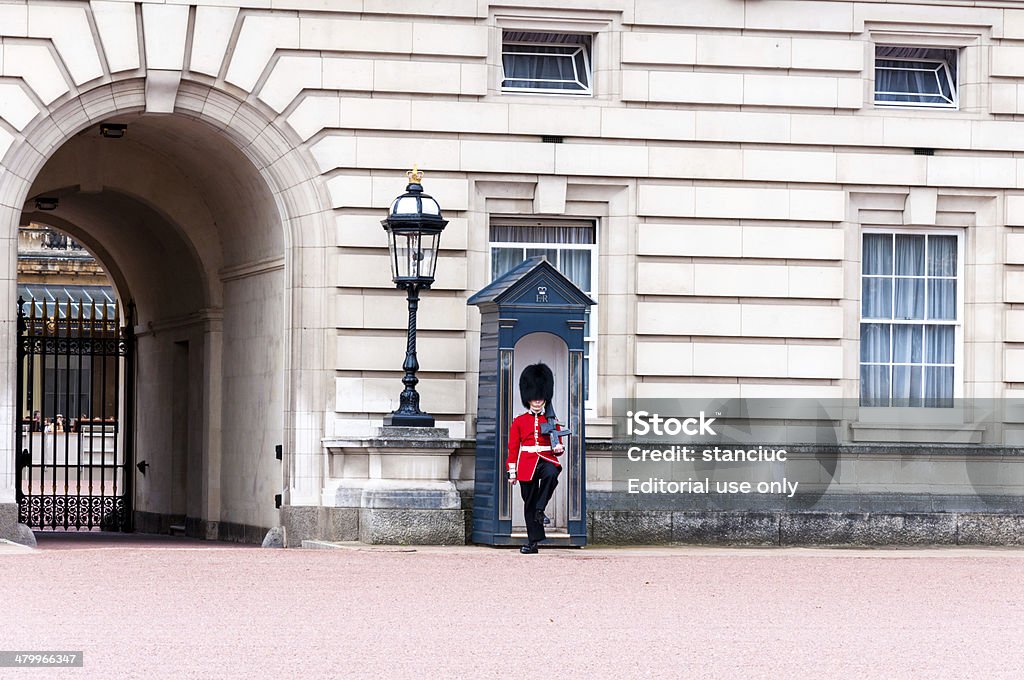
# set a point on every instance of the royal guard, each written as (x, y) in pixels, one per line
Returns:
(532, 455)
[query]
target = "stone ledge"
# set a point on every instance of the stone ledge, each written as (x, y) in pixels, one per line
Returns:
(813, 528)
(747, 528)
(407, 438)
(889, 502)
(653, 527)
(993, 529)
(412, 498)
(624, 527)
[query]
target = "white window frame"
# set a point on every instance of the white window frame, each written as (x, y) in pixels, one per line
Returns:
(591, 342)
(581, 47)
(941, 67)
(958, 323)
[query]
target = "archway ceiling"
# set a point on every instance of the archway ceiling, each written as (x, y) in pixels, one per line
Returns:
(144, 255)
(203, 189)
(228, 182)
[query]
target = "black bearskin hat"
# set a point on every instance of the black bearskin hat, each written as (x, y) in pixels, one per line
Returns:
(536, 382)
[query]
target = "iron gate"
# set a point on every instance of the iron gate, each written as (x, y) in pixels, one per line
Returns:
(74, 429)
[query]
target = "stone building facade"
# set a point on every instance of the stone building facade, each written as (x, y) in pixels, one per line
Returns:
(724, 165)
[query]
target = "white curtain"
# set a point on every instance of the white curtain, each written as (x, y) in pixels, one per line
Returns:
(875, 346)
(942, 291)
(876, 292)
(575, 265)
(553, 233)
(504, 259)
(938, 380)
(909, 261)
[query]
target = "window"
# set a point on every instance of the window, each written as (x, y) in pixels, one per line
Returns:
(545, 62)
(915, 76)
(910, 316)
(572, 248)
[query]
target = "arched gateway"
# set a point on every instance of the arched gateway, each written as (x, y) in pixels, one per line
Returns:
(209, 218)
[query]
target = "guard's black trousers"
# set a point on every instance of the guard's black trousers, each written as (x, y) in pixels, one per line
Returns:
(536, 494)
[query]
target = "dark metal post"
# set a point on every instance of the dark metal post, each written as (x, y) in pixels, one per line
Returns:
(408, 413)
(19, 436)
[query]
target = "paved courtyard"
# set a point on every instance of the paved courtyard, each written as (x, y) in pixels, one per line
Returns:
(174, 608)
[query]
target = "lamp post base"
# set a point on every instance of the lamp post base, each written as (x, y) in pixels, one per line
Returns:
(399, 419)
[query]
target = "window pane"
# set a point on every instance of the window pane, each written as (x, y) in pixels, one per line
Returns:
(942, 299)
(874, 342)
(581, 68)
(877, 256)
(938, 386)
(912, 82)
(906, 386)
(403, 254)
(874, 385)
(915, 75)
(504, 259)
(909, 299)
(907, 346)
(876, 298)
(575, 265)
(939, 344)
(427, 264)
(942, 256)
(549, 254)
(909, 255)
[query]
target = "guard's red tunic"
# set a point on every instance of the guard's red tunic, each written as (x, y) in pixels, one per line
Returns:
(524, 438)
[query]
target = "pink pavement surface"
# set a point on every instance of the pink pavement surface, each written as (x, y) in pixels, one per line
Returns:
(176, 608)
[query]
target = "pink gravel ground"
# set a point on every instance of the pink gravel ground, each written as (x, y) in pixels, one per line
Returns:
(174, 608)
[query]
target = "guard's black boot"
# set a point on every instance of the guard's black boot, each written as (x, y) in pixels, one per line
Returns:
(529, 549)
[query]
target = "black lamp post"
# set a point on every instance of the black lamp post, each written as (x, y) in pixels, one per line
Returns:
(414, 225)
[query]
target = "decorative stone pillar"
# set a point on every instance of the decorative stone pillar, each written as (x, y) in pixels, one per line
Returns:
(394, 487)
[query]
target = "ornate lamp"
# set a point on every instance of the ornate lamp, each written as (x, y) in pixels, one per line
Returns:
(414, 225)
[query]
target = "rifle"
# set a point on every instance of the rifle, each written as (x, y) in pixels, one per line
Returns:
(550, 428)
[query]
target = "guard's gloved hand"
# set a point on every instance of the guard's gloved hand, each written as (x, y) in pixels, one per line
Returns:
(512, 473)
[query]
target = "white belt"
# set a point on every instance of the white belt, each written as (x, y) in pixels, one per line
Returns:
(534, 449)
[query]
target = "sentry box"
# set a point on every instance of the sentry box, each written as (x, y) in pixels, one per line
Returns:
(532, 313)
